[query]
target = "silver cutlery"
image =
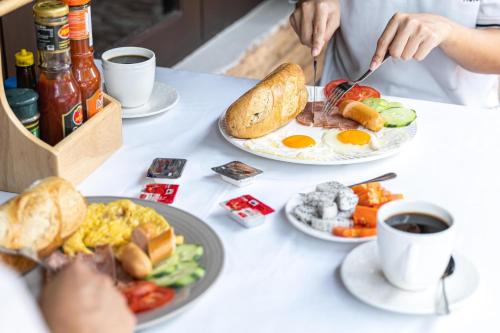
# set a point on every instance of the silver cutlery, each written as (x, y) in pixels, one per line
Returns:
(387, 176)
(345, 87)
(449, 270)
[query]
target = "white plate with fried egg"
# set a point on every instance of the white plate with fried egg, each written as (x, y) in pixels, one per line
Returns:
(296, 143)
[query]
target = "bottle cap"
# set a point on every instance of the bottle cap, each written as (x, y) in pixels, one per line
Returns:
(23, 102)
(50, 9)
(76, 2)
(24, 58)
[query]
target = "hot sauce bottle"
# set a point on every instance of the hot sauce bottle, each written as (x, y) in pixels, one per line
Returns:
(82, 57)
(59, 103)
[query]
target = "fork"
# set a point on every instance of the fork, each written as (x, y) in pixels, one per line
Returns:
(344, 88)
(26, 253)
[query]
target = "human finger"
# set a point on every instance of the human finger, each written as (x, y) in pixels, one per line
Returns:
(385, 40)
(320, 22)
(306, 23)
(411, 46)
(293, 23)
(425, 48)
(406, 29)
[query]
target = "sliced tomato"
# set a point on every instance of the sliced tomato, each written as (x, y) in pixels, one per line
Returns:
(357, 93)
(331, 86)
(144, 296)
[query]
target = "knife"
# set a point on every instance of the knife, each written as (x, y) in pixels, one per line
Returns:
(315, 66)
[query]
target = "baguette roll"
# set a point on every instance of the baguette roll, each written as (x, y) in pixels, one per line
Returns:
(271, 104)
(40, 218)
(162, 246)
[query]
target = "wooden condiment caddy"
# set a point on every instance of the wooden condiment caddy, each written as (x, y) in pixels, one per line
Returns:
(25, 158)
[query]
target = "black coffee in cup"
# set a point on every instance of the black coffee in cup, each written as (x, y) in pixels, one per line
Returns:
(128, 59)
(417, 223)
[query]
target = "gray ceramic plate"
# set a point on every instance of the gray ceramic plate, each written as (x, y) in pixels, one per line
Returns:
(195, 231)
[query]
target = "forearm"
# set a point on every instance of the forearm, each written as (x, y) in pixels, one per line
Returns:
(477, 50)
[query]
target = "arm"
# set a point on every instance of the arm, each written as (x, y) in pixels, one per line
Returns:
(414, 36)
(315, 22)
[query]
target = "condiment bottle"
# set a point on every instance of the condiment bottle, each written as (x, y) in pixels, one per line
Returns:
(60, 101)
(82, 57)
(23, 103)
(25, 69)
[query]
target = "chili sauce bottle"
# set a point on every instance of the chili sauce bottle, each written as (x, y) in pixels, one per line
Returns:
(82, 57)
(59, 103)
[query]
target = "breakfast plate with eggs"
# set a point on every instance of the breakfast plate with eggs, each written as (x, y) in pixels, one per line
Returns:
(277, 119)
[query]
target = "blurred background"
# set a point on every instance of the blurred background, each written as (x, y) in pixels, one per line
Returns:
(245, 38)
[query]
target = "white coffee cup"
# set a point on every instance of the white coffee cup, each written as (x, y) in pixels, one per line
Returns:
(131, 84)
(414, 261)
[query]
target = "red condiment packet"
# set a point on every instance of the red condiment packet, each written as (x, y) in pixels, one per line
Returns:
(163, 193)
(248, 201)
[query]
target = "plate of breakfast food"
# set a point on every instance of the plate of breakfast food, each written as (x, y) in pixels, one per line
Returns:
(278, 119)
(335, 212)
(161, 258)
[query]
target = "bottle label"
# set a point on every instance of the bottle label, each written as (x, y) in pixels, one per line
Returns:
(52, 38)
(72, 119)
(80, 23)
(94, 103)
(34, 128)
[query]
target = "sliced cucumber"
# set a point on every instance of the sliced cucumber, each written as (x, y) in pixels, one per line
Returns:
(380, 104)
(168, 266)
(185, 274)
(398, 117)
(188, 252)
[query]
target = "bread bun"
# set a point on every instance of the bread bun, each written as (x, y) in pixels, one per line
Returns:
(271, 104)
(40, 218)
(363, 114)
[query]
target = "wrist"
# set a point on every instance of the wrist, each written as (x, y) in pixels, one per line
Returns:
(453, 32)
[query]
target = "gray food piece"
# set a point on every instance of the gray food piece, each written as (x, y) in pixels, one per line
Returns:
(323, 224)
(316, 199)
(346, 214)
(346, 199)
(304, 213)
(328, 211)
(332, 187)
(343, 222)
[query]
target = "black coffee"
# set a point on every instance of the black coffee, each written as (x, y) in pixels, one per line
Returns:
(417, 223)
(128, 59)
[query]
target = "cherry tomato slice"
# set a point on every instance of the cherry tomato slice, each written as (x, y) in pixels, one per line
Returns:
(331, 86)
(138, 288)
(357, 93)
(151, 300)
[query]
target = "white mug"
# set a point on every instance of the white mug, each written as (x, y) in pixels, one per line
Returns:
(413, 261)
(131, 84)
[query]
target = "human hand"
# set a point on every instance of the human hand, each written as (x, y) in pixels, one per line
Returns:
(81, 300)
(315, 22)
(411, 36)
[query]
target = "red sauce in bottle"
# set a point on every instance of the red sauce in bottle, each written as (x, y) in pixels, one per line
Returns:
(82, 57)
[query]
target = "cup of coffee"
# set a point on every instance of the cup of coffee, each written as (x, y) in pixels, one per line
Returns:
(415, 242)
(129, 74)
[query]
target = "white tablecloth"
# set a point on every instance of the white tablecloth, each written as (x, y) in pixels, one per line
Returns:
(277, 279)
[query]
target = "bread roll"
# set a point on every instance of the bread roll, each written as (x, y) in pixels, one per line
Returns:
(363, 114)
(162, 246)
(271, 104)
(135, 261)
(40, 218)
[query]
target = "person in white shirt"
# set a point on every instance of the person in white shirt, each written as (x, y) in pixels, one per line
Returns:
(442, 50)
(77, 300)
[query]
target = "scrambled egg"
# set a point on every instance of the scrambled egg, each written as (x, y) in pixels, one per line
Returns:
(112, 224)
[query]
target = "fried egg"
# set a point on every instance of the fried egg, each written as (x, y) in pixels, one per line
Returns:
(350, 142)
(299, 141)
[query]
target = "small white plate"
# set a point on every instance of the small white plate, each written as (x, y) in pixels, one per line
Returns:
(163, 98)
(363, 277)
(294, 201)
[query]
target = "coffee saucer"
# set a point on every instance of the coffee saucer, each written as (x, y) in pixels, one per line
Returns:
(163, 98)
(363, 277)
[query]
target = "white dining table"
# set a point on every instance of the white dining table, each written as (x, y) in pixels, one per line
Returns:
(277, 279)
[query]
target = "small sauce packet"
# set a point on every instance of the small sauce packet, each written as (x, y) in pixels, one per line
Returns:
(237, 173)
(163, 193)
(163, 169)
(247, 210)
